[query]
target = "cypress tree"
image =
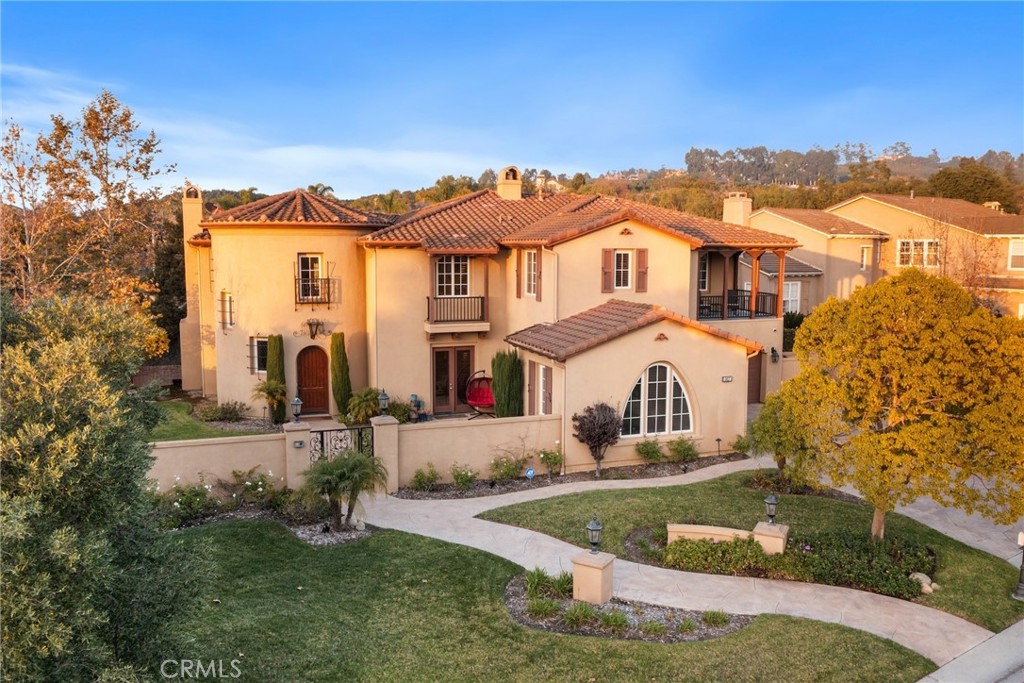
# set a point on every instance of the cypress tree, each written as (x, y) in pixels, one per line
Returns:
(275, 371)
(507, 371)
(341, 382)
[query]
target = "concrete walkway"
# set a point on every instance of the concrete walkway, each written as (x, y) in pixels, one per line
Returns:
(937, 635)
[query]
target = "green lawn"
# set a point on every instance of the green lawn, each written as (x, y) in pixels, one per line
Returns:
(975, 585)
(396, 607)
(178, 424)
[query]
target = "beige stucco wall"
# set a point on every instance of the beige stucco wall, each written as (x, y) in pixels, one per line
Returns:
(768, 333)
(472, 442)
(526, 310)
(257, 265)
(207, 460)
(669, 265)
(607, 373)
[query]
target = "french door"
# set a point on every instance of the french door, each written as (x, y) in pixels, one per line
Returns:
(452, 367)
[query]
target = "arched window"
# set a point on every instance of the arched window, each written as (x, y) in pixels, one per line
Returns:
(657, 404)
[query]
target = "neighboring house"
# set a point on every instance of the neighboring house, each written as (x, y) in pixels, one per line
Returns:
(609, 300)
(856, 242)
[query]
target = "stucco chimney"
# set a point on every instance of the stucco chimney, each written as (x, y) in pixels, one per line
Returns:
(736, 208)
(510, 183)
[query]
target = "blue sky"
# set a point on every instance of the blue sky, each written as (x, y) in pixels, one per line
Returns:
(368, 97)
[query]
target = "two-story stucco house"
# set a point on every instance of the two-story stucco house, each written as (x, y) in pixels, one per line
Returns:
(856, 242)
(607, 300)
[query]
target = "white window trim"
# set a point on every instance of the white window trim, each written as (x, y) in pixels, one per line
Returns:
(628, 270)
(917, 248)
(530, 286)
(254, 366)
(793, 285)
(865, 257)
(703, 268)
(446, 265)
(543, 389)
(672, 379)
(1020, 311)
(1020, 252)
(310, 277)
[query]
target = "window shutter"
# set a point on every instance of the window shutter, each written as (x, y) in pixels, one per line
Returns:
(539, 261)
(546, 398)
(531, 390)
(519, 273)
(607, 271)
(641, 270)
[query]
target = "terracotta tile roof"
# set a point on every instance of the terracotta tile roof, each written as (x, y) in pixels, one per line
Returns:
(610, 320)
(824, 222)
(482, 221)
(300, 207)
(963, 214)
(472, 223)
(769, 265)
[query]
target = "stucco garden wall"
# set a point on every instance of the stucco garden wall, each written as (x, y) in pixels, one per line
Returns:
(196, 460)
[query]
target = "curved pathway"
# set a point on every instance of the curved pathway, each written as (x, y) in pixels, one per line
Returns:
(937, 635)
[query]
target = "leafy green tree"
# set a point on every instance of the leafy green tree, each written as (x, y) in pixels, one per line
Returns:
(773, 432)
(341, 379)
(975, 183)
(91, 586)
(908, 390)
(275, 373)
(507, 384)
(598, 426)
(343, 480)
(82, 209)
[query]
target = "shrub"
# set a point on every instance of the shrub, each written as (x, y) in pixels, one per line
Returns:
(187, 504)
(561, 585)
(463, 476)
(274, 393)
(598, 426)
(364, 405)
(649, 450)
(257, 489)
(507, 385)
(400, 410)
(551, 459)
(229, 411)
(686, 626)
(683, 449)
(742, 557)
(536, 582)
(579, 614)
(299, 508)
(507, 467)
(540, 608)
(716, 618)
(614, 620)
(540, 584)
(425, 481)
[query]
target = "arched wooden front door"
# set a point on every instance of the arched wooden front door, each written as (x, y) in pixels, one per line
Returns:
(311, 369)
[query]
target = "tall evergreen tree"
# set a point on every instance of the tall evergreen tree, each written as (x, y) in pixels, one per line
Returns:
(275, 371)
(341, 380)
(507, 384)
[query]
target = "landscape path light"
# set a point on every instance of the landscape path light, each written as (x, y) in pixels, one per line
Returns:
(771, 506)
(594, 528)
(296, 408)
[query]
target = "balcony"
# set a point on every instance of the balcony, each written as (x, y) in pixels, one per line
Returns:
(316, 291)
(738, 305)
(454, 314)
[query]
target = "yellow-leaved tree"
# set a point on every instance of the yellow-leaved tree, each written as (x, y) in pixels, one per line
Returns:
(908, 389)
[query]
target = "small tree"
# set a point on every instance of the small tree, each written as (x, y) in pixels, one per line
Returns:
(507, 371)
(341, 380)
(343, 480)
(275, 373)
(598, 427)
(273, 392)
(775, 431)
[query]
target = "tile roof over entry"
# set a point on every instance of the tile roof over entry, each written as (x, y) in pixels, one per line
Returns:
(963, 214)
(769, 265)
(482, 222)
(300, 207)
(601, 324)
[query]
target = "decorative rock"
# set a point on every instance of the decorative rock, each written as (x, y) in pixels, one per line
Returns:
(922, 579)
(926, 588)
(936, 587)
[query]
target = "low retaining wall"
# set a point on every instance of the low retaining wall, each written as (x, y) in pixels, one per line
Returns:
(772, 537)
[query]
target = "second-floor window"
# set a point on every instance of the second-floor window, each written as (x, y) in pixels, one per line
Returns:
(623, 270)
(921, 253)
(452, 277)
(531, 272)
(1016, 255)
(702, 272)
(791, 297)
(865, 258)
(310, 274)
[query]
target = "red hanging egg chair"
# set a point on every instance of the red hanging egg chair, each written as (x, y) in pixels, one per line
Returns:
(479, 395)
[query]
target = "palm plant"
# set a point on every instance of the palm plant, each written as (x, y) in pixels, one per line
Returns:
(343, 480)
(364, 405)
(274, 392)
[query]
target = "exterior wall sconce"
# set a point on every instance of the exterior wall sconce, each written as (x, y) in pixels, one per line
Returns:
(315, 326)
(594, 528)
(771, 506)
(296, 408)
(775, 355)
